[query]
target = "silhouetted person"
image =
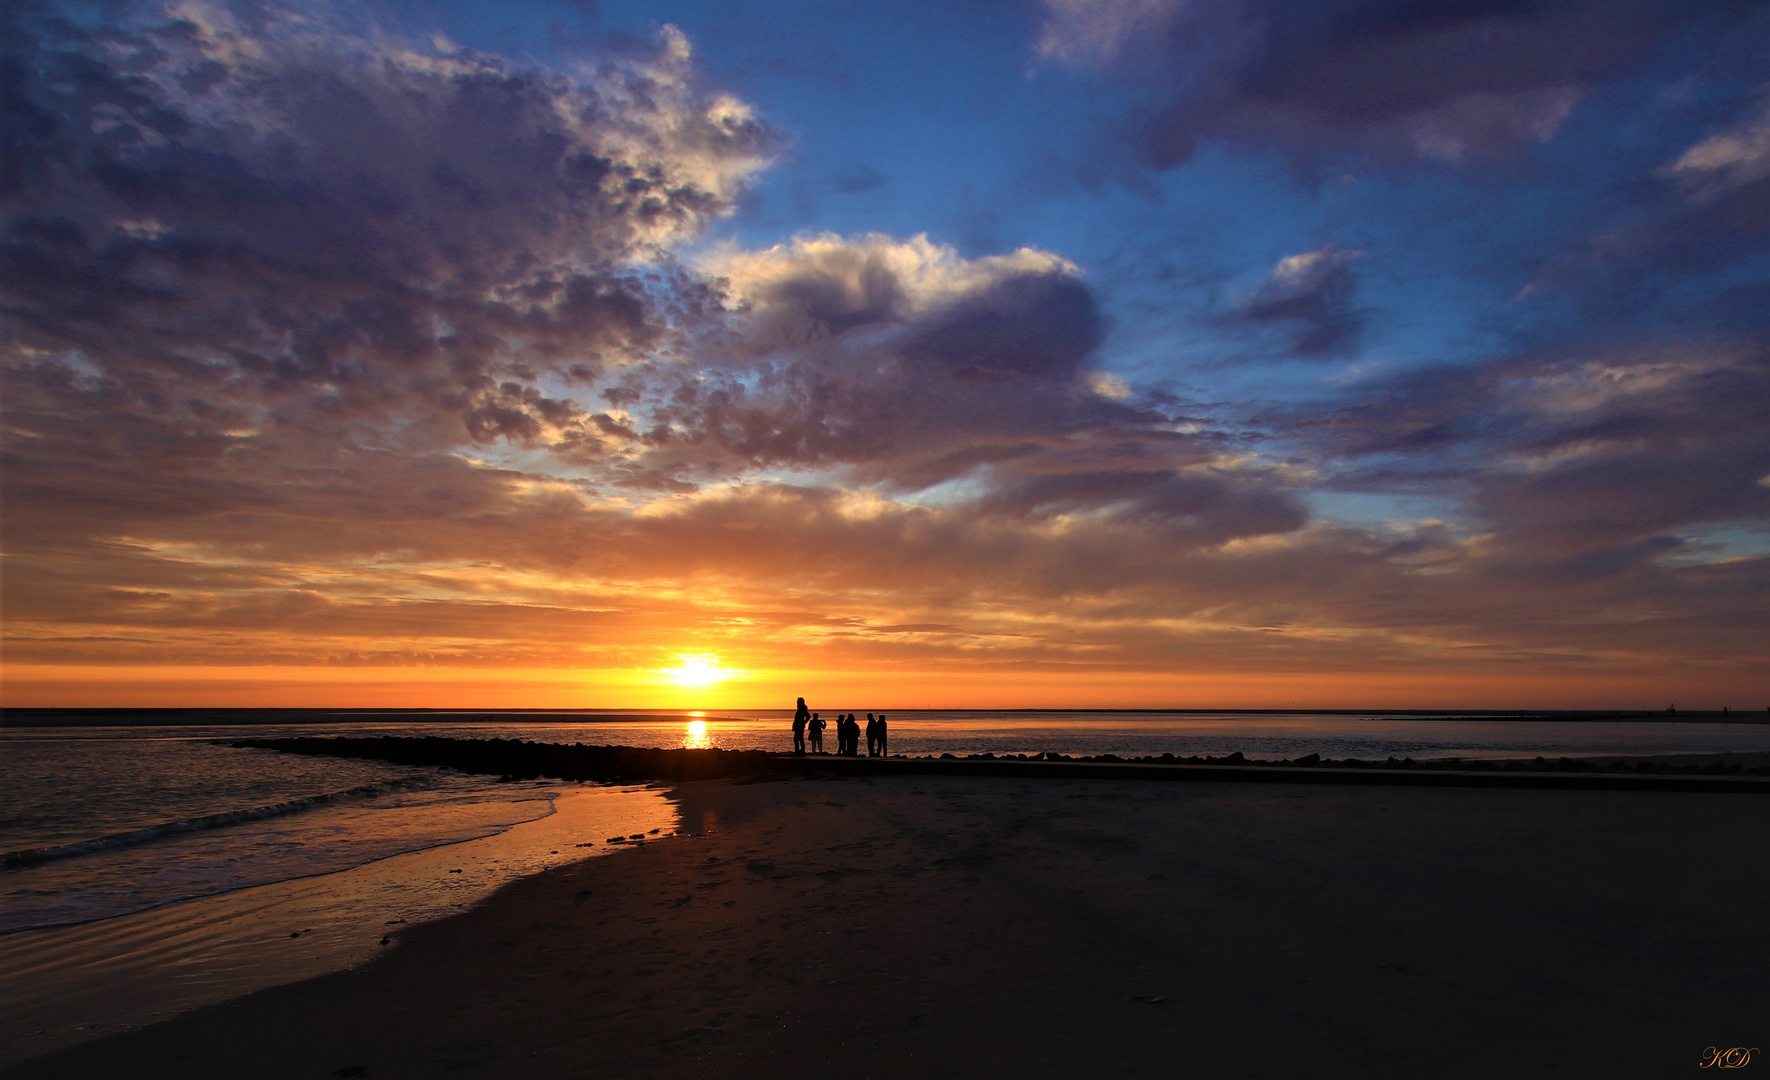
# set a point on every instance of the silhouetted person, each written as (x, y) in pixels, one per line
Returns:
(845, 732)
(816, 728)
(801, 717)
(872, 736)
(882, 734)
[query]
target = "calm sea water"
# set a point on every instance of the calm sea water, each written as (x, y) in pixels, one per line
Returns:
(172, 870)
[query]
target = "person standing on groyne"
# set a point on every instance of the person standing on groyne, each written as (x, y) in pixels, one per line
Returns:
(872, 736)
(801, 717)
(882, 734)
(816, 730)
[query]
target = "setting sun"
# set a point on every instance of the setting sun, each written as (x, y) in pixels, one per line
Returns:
(697, 671)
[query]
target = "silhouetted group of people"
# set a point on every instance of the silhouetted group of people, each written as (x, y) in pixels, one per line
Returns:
(808, 728)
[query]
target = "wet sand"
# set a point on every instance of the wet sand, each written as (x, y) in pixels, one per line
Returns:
(954, 926)
(65, 985)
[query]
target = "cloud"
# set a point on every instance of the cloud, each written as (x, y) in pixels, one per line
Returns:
(1312, 292)
(1727, 160)
(1676, 249)
(332, 346)
(271, 212)
(1455, 82)
(249, 254)
(897, 357)
(907, 367)
(1571, 454)
(856, 273)
(1095, 31)
(757, 571)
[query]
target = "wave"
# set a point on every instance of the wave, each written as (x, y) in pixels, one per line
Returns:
(17, 860)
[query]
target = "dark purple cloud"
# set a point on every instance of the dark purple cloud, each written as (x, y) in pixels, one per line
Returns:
(1455, 82)
(270, 214)
(1310, 295)
(267, 268)
(1591, 459)
(903, 365)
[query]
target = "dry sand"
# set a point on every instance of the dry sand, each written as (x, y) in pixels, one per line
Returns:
(934, 926)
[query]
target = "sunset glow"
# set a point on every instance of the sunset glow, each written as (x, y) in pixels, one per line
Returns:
(1262, 505)
(399, 360)
(697, 671)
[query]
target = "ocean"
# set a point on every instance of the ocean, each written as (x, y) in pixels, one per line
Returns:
(150, 869)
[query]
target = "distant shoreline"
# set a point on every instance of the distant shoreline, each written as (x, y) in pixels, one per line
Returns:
(147, 717)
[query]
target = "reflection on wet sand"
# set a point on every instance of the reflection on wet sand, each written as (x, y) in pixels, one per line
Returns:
(68, 984)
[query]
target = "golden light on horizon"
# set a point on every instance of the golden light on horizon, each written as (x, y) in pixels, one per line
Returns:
(563, 462)
(697, 671)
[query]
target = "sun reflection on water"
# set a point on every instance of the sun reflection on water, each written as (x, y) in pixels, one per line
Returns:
(695, 738)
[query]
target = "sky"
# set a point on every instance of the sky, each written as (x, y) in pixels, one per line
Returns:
(1006, 353)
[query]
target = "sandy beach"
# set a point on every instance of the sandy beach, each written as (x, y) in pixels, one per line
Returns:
(950, 926)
